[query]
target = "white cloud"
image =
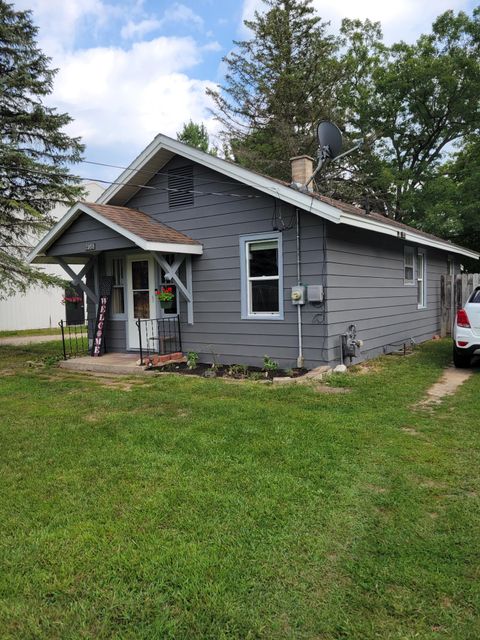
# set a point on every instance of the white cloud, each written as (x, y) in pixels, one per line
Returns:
(401, 19)
(59, 20)
(138, 29)
(180, 13)
(125, 97)
(177, 13)
(118, 96)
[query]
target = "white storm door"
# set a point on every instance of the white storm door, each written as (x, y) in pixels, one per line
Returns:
(141, 298)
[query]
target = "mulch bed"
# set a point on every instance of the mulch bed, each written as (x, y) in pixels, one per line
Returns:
(226, 371)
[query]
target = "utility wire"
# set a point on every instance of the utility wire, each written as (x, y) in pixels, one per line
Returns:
(139, 186)
(157, 173)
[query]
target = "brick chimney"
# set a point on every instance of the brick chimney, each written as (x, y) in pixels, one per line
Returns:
(302, 169)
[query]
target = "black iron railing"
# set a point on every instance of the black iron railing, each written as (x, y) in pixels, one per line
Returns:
(77, 338)
(159, 336)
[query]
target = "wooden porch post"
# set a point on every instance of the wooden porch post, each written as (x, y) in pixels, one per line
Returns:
(171, 272)
(77, 278)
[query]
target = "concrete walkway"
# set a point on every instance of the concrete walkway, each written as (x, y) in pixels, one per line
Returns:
(447, 385)
(20, 341)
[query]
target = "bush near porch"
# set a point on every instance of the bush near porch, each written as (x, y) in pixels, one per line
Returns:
(189, 508)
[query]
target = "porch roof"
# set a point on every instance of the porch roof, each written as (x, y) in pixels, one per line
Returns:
(140, 228)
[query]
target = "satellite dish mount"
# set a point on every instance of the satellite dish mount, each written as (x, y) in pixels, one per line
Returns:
(329, 139)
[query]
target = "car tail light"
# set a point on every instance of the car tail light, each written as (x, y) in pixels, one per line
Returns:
(462, 343)
(462, 318)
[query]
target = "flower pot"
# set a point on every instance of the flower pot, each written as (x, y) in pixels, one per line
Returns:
(166, 304)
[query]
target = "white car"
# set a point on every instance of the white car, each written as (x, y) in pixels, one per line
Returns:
(466, 331)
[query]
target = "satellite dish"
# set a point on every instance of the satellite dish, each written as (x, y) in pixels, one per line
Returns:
(329, 139)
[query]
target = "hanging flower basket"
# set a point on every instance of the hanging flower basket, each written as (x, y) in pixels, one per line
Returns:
(72, 301)
(166, 297)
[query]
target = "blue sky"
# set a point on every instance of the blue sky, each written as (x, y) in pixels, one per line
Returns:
(129, 69)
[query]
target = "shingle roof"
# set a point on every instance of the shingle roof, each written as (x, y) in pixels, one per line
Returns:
(371, 215)
(141, 224)
(357, 211)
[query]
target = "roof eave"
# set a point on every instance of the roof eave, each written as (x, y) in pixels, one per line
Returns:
(406, 234)
(80, 207)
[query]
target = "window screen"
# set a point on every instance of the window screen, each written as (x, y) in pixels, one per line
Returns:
(118, 290)
(409, 266)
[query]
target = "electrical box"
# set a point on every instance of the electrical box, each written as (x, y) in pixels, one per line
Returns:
(315, 293)
(298, 295)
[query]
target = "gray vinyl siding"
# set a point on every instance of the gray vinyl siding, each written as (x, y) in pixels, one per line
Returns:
(362, 273)
(85, 229)
(366, 287)
(217, 220)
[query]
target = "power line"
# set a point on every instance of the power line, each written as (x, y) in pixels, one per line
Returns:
(157, 173)
(138, 186)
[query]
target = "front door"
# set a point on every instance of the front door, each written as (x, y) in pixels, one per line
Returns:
(141, 298)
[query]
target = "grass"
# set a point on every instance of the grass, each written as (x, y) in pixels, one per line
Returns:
(52, 331)
(187, 508)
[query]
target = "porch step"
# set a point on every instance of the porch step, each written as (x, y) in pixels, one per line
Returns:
(119, 363)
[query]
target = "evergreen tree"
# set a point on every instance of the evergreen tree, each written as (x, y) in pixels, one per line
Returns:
(279, 84)
(196, 135)
(34, 150)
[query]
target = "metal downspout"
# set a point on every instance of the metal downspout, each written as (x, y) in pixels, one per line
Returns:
(300, 358)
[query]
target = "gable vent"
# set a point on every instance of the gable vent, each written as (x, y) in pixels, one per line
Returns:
(180, 181)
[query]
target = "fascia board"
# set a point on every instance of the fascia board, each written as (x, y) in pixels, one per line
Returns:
(172, 247)
(378, 227)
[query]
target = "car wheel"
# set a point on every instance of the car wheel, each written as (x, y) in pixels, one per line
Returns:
(460, 360)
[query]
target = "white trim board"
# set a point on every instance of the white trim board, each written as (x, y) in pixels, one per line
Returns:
(80, 207)
(137, 174)
(405, 234)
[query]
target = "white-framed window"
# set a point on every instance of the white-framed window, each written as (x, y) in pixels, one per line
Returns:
(117, 307)
(409, 266)
(421, 279)
(450, 265)
(261, 267)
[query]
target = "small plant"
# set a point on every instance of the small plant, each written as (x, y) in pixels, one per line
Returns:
(192, 359)
(215, 366)
(255, 375)
(237, 370)
(165, 294)
(269, 366)
(51, 361)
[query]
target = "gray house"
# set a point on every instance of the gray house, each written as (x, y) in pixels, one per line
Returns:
(256, 266)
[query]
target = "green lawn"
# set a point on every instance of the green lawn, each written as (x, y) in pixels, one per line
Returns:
(188, 508)
(53, 331)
